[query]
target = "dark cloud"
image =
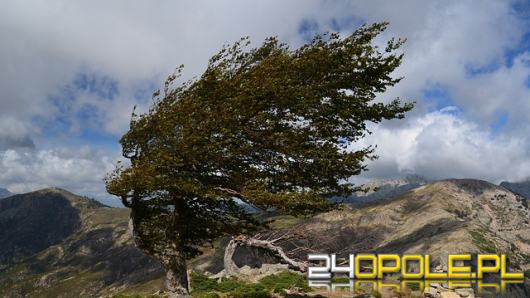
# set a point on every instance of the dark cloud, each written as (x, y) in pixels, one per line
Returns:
(15, 142)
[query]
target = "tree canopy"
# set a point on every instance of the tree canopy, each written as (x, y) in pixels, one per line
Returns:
(270, 126)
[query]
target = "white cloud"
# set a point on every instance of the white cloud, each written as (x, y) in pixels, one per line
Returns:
(81, 170)
(45, 45)
(442, 145)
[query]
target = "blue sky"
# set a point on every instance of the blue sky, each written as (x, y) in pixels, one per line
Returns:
(71, 72)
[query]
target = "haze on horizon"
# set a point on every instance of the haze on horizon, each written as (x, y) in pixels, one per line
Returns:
(71, 72)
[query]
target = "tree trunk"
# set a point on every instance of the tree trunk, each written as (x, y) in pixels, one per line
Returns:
(229, 264)
(171, 257)
(177, 278)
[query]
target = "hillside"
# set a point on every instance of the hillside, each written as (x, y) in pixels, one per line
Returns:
(448, 216)
(452, 216)
(88, 250)
(57, 244)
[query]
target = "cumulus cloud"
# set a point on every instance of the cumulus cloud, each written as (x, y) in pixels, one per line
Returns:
(74, 70)
(81, 170)
(442, 144)
(46, 45)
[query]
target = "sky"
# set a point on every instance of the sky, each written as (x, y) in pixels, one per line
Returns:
(71, 72)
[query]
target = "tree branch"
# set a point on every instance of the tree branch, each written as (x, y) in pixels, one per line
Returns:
(242, 240)
(234, 193)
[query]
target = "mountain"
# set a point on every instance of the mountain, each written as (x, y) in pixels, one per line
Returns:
(57, 244)
(439, 218)
(458, 215)
(85, 249)
(4, 193)
(384, 189)
(520, 188)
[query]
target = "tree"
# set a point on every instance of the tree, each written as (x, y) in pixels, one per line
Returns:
(269, 126)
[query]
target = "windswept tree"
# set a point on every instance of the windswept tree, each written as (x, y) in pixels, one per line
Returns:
(270, 126)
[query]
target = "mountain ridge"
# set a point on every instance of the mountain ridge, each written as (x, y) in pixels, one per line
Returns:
(96, 256)
(382, 189)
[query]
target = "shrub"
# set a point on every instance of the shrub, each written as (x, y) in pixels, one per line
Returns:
(250, 291)
(205, 295)
(284, 280)
(201, 283)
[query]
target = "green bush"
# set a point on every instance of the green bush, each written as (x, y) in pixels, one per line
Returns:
(205, 295)
(284, 280)
(205, 287)
(202, 283)
(250, 291)
(228, 284)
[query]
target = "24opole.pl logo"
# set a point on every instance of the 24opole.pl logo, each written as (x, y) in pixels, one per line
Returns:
(412, 270)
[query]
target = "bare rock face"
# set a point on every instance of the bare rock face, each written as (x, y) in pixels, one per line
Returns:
(253, 257)
(435, 290)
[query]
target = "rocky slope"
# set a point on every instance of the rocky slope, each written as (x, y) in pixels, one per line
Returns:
(57, 244)
(439, 218)
(452, 216)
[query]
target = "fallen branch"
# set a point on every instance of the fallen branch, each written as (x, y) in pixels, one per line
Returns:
(242, 240)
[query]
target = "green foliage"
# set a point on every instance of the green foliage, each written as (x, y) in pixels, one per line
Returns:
(250, 291)
(227, 285)
(284, 280)
(268, 125)
(200, 282)
(277, 283)
(206, 295)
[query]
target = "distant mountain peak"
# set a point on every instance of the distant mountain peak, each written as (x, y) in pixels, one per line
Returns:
(384, 189)
(521, 188)
(54, 189)
(74, 199)
(4, 193)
